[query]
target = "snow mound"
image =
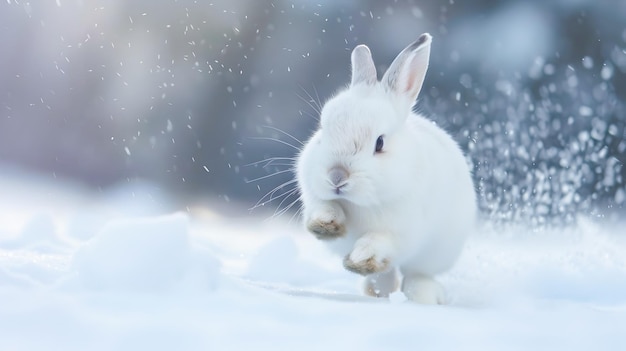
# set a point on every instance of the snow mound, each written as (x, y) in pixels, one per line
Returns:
(281, 261)
(38, 234)
(144, 255)
(85, 226)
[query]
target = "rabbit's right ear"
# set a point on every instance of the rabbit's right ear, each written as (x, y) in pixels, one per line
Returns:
(363, 69)
(407, 72)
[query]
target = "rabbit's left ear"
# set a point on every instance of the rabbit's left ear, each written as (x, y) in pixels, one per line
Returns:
(363, 69)
(406, 73)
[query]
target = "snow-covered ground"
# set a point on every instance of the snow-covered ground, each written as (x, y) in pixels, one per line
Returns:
(117, 271)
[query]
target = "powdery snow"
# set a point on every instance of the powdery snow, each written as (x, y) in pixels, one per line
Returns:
(117, 272)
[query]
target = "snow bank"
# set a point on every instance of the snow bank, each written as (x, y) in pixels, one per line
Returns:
(281, 260)
(142, 254)
(90, 278)
(39, 234)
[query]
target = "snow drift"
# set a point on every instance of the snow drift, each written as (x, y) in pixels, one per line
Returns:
(192, 281)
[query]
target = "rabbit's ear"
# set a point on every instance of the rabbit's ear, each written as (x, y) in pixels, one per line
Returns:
(406, 73)
(363, 69)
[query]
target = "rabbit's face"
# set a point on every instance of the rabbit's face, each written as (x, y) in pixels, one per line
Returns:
(354, 147)
(360, 152)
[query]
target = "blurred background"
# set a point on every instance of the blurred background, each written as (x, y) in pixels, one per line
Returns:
(192, 96)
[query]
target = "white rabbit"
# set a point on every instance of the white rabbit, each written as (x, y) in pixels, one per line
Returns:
(383, 186)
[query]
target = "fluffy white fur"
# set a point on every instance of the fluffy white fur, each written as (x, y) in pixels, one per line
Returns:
(407, 208)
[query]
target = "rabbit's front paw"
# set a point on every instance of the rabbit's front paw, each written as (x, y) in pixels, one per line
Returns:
(324, 230)
(327, 223)
(365, 259)
(367, 266)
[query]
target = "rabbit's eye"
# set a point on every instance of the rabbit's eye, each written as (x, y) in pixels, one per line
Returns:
(379, 144)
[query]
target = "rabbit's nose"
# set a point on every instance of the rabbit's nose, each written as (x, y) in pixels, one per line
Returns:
(338, 176)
